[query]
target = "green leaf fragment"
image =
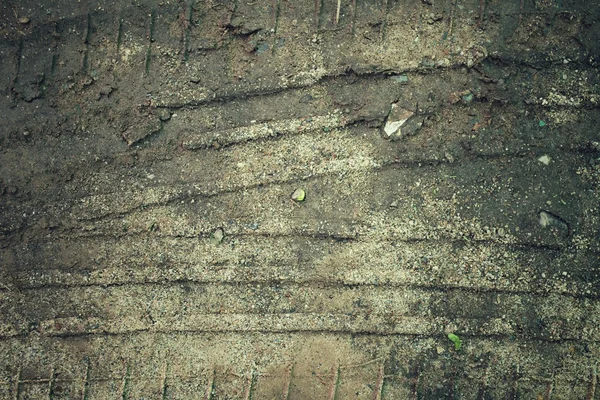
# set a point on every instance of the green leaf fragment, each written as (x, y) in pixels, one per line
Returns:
(456, 340)
(298, 195)
(542, 123)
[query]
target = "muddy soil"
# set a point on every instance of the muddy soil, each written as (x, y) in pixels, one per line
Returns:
(153, 244)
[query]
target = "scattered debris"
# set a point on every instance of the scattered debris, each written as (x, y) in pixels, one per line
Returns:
(401, 122)
(217, 236)
(403, 79)
(550, 220)
(545, 159)
(456, 340)
(468, 97)
(142, 129)
(164, 114)
(299, 195)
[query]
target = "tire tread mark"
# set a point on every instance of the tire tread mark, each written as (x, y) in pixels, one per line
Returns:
(173, 190)
(451, 392)
(86, 380)
(378, 390)
(55, 54)
(483, 384)
(482, 9)
(384, 20)
(317, 14)
(86, 43)
(262, 331)
(187, 21)
(51, 383)
(150, 39)
(120, 33)
(184, 378)
(163, 384)
(174, 197)
(353, 18)
(521, 8)
(276, 12)
(335, 382)
(451, 18)
(591, 390)
(321, 283)
(549, 389)
(15, 79)
(332, 77)
(17, 384)
(514, 395)
(125, 382)
(414, 380)
(210, 385)
(288, 382)
(250, 381)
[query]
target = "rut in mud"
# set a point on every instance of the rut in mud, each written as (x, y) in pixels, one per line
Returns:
(449, 155)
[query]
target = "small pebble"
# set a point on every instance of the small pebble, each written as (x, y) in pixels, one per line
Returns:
(217, 236)
(545, 159)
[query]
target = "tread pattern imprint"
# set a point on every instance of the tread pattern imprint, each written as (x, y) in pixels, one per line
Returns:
(450, 156)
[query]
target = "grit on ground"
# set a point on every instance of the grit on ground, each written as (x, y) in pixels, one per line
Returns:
(311, 199)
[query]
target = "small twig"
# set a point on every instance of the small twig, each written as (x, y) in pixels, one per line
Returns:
(337, 13)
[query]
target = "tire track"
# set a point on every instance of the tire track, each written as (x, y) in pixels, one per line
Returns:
(288, 307)
(286, 168)
(481, 223)
(403, 364)
(481, 265)
(493, 142)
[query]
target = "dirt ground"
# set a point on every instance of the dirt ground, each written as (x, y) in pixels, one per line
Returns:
(154, 245)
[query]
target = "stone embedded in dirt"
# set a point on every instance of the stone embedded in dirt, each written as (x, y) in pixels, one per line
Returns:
(141, 130)
(217, 236)
(468, 98)
(401, 122)
(550, 220)
(24, 20)
(164, 114)
(545, 159)
(395, 245)
(403, 79)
